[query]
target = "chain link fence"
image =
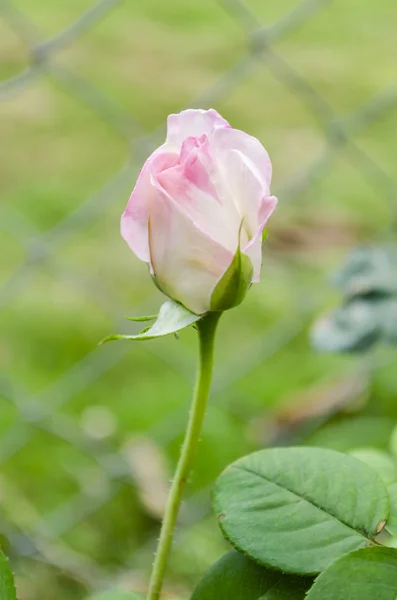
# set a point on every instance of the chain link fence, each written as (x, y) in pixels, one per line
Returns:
(88, 518)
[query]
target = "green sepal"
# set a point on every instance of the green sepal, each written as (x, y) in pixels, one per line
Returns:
(234, 283)
(171, 318)
(142, 319)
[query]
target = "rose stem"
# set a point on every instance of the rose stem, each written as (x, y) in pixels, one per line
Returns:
(206, 329)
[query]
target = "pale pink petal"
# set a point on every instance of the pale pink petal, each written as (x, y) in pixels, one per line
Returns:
(245, 173)
(191, 184)
(195, 168)
(198, 164)
(134, 220)
(228, 139)
(266, 210)
(254, 248)
(186, 262)
(193, 122)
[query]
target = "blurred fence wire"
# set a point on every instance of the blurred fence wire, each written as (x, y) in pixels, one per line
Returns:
(40, 536)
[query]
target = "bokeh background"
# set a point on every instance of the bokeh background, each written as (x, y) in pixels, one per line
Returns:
(89, 435)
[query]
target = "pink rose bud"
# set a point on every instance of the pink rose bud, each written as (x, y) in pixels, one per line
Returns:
(198, 211)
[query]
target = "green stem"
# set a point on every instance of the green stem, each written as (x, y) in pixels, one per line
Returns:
(206, 329)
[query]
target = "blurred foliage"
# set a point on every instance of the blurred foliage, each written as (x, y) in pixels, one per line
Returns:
(117, 595)
(368, 281)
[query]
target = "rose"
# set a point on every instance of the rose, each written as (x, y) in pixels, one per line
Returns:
(198, 211)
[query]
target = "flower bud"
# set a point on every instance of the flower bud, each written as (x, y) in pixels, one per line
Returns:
(198, 211)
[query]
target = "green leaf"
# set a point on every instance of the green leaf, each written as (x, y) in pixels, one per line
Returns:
(7, 587)
(352, 328)
(367, 574)
(391, 524)
(172, 317)
(235, 282)
(349, 433)
(298, 509)
(235, 577)
(380, 461)
(386, 466)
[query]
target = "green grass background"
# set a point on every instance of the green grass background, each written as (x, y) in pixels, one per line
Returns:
(149, 59)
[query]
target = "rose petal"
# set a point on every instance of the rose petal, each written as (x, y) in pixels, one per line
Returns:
(254, 248)
(190, 184)
(198, 164)
(134, 220)
(193, 122)
(245, 172)
(186, 261)
(228, 139)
